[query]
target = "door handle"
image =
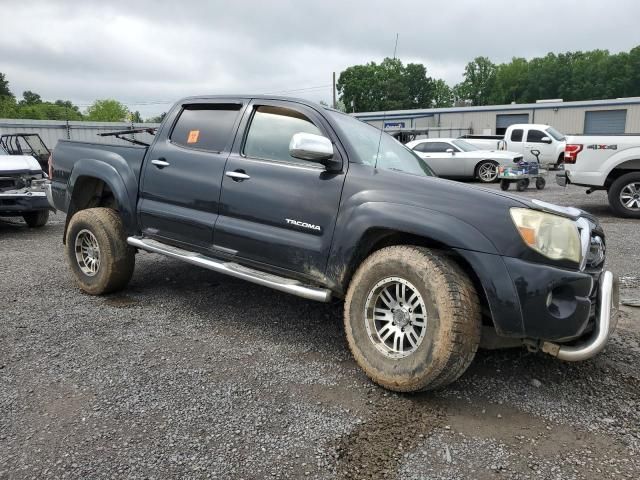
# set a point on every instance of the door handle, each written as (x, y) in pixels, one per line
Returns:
(160, 163)
(238, 175)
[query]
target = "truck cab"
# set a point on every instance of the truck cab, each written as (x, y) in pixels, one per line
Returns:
(523, 138)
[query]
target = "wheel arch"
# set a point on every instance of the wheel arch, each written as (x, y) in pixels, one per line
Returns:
(94, 183)
(628, 166)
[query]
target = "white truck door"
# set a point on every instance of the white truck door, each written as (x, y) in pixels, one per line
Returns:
(514, 139)
(537, 139)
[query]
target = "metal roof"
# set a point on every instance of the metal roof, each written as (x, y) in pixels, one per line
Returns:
(428, 112)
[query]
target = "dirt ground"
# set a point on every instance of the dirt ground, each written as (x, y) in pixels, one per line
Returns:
(190, 374)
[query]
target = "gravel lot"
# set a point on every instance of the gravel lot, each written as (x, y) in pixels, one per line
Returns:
(189, 374)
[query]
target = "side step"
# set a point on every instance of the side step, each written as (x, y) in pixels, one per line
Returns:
(233, 269)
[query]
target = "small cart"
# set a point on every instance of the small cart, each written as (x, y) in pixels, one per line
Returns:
(523, 174)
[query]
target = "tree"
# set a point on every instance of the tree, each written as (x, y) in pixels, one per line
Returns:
(479, 78)
(30, 98)
(442, 94)
(4, 87)
(389, 85)
(107, 110)
(157, 119)
(135, 117)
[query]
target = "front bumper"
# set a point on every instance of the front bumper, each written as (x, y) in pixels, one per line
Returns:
(22, 201)
(605, 323)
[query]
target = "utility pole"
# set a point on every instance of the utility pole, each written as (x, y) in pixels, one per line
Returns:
(334, 90)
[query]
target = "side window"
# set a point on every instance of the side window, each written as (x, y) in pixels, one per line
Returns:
(440, 147)
(271, 131)
(535, 136)
(422, 147)
(206, 126)
(516, 135)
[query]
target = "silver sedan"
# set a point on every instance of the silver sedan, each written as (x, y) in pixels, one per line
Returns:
(455, 158)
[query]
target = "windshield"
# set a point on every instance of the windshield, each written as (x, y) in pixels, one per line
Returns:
(464, 146)
(392, 155)
(555, 134)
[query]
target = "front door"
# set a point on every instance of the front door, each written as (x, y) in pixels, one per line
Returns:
(275, 209)
(444, 163)
(180, 187)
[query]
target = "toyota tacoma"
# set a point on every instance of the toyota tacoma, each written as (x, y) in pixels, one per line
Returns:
(310, 201)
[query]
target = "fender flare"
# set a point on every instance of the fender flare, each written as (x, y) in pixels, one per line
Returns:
(121, 181)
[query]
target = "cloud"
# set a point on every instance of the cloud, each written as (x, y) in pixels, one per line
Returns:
(146, 52)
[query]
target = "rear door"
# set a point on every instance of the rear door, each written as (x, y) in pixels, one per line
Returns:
(534, 142)
(180, 187)
(277, 210)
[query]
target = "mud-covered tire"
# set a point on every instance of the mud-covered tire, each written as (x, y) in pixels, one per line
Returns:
(116, 257)
(36, 219)
(629, 183)
(453, 319)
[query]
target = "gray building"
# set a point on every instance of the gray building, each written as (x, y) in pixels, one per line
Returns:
(594, 117)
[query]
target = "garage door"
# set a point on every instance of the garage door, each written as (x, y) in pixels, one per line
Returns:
(605, 122)
(504, 120)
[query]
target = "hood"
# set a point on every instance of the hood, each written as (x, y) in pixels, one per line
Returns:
(19, 164)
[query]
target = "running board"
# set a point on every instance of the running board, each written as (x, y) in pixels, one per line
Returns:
(234, 269)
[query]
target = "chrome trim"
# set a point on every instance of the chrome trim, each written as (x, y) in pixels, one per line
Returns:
(233, 269)
(584, 229)
(309, 146)
(237, 175)
(160, 163)
(49, 193)
(605, 324)
(24, 194)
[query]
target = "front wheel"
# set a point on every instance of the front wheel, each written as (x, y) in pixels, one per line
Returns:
(540, 183)
(412, 319)
(36, 219)
(487, 171)
(522, 185)
(97, 251)
(624, 195)
(504, 184)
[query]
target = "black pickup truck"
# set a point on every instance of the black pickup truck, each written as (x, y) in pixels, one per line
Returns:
(310, 201)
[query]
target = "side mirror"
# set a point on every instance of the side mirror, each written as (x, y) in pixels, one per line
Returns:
(308, 146)
(545, 140)
(450, 150)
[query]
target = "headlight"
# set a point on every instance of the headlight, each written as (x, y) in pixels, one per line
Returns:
(551, 235)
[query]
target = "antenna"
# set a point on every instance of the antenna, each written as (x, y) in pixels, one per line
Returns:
(384, 115)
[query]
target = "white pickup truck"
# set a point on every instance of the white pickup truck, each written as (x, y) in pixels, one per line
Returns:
(523, 138)
(610, 163)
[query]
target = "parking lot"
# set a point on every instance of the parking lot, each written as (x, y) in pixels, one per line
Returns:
(188, 373)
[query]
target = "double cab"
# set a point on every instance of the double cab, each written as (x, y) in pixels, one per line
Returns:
(310, 201)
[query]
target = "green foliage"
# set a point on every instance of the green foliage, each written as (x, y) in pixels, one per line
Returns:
(107, 110)
(157, 119)
(389, 85)
(442, 94)
(479, 81)
(4, 87)
(135, 117)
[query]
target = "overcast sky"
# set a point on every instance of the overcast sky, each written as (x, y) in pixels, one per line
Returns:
(144, 52)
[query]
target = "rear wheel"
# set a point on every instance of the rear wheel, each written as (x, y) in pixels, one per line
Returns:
(412, 319)
(97, 251)
(36, 219)
(487, 171)
(624, 195)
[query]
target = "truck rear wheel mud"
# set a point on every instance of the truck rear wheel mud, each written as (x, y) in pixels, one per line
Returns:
(97, 251)
(624, 195)
(36, 219)
(412, 319)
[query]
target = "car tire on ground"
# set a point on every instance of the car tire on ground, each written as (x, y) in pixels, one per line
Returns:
(624, 195)
(412, 318)
(487, 171)
(97, 251)
(36, 219)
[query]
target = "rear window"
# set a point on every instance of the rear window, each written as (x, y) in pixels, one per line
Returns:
(516, 135)
(206, 127)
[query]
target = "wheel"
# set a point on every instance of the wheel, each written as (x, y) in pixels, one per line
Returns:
(521, 185)
(487, 171)
(36, 219)
(624, 195)
(504, 184)
(540, 183)
(97, 251)
(412, 319)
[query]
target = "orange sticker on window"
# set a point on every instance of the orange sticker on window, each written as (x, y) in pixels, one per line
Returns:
(193, 136)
